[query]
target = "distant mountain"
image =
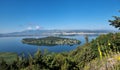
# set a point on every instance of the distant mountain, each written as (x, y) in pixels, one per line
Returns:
(54, 32)
(31, 33)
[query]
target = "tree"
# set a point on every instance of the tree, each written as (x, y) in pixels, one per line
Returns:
(3, 65)
(86, 39)
(115, 22)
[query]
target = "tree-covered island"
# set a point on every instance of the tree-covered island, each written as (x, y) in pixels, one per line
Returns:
(50, 41)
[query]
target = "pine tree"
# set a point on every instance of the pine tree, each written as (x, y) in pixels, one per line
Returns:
(115, 22)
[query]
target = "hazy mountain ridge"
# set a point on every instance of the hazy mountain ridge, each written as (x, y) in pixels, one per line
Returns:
(54, 32)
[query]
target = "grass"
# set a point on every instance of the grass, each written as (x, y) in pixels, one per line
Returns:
(109, 61)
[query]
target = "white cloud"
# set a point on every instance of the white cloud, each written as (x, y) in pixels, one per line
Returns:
(33, 27)
(29, 28)
(37, 27)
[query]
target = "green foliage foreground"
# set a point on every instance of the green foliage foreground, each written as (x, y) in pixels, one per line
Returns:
(100, 54)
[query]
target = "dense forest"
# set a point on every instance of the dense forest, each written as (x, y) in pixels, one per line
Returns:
(101, 53)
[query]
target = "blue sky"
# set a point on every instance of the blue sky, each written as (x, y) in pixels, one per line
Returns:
(19, 15)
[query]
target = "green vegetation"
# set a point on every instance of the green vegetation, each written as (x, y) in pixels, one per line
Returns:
(50, 41)
(115, 22)
(8, 57)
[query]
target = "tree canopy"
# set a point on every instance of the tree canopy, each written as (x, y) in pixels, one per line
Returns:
(115, 22)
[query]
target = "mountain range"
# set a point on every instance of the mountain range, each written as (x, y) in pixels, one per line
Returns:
(54, 32)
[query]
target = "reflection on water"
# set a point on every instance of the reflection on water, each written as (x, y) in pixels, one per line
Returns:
(14, 44)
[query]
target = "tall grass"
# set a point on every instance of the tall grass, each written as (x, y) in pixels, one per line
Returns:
(109, 59)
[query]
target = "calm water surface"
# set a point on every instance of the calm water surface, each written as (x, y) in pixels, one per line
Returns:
(14, 44)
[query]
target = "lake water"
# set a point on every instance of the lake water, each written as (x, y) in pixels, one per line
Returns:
(14, 44)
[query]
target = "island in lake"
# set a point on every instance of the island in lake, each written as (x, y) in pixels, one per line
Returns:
(50, 41)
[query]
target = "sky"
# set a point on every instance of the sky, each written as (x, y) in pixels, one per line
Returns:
(20, 15)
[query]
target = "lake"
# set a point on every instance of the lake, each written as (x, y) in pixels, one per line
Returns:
(14, 44)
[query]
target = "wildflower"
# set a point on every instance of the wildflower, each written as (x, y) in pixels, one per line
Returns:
(118, 58)
(109, 44)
